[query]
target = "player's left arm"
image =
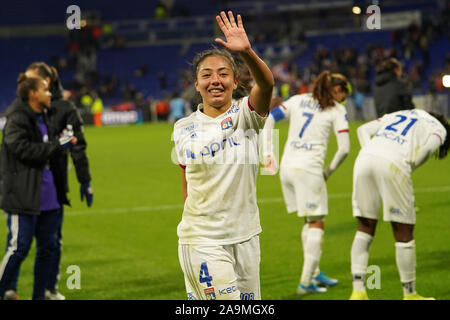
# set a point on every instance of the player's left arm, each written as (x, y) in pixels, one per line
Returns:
(237, 41)
(343, 142)
(434, 141)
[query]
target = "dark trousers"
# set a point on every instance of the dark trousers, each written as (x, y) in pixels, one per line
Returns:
(22, 229)
(53, 275)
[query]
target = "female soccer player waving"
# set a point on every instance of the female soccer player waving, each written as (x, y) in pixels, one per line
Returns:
(217, 149)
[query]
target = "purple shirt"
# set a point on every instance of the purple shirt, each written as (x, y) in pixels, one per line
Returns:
(49, 198)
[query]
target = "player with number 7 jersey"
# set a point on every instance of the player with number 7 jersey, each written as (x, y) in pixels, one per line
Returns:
(312, 118)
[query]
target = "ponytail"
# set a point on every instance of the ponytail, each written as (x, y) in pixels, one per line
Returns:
(323, 88)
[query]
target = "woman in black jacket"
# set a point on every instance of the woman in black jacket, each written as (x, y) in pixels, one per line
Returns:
(391, 91)
(30, 193)
(62, 114)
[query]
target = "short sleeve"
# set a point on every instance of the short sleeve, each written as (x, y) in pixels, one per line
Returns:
(440, 132)
(252, 119)
(180, 154)
(284, 109)
(340, 121)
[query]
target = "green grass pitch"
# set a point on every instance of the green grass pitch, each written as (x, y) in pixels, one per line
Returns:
(126, 244)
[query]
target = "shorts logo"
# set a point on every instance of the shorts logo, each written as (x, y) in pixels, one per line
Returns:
(191, 296)
(395, 211)
(311, 205)
(226, 124)
(210, 294)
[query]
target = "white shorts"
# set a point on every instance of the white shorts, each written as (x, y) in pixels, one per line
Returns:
(376, 179)
(304, 192)
(229, 272)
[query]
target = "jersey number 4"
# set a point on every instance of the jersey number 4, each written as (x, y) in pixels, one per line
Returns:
(204, 275)
(309, 117)
(392, 126)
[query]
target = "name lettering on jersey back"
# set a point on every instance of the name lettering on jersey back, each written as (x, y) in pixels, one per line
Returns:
(391, 136)
(301, 145)
(309, 104)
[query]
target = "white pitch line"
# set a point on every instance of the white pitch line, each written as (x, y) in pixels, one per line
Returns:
(263, 200)
(180, 206)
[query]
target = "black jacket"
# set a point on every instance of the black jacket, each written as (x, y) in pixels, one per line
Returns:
(391, 94)
(23, 157)
(62, 113)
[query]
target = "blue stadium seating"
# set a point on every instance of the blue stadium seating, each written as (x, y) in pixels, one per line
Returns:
(17, 53)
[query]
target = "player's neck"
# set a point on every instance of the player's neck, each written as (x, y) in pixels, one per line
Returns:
(214, 112)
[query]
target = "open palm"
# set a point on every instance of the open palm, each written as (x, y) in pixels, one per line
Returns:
(236, 37)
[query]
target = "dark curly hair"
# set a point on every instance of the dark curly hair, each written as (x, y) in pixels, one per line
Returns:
(443, 149)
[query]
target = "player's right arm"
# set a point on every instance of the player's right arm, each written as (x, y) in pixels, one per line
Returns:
(180, 159)
(367, 131)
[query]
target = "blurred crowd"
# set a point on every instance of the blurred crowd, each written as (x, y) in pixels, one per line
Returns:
(410, 46)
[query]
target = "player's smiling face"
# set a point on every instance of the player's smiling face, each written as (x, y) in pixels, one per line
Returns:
(215, 82)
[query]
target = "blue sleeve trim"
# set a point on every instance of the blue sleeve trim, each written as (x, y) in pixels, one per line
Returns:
(277, 114)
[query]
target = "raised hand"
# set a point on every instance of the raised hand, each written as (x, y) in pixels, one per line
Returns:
(235, 35)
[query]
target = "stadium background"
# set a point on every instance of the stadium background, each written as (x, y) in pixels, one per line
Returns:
(131, 57)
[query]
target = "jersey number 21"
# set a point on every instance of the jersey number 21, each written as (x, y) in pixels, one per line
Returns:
(392, 126)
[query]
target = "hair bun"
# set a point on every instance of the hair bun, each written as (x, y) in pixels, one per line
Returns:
(21, 78)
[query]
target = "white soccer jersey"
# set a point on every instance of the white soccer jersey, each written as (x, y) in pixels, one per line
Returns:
(220, 156)
(309, 132)
(400, 136)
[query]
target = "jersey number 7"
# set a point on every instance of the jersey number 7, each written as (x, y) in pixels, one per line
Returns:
(309, 117)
